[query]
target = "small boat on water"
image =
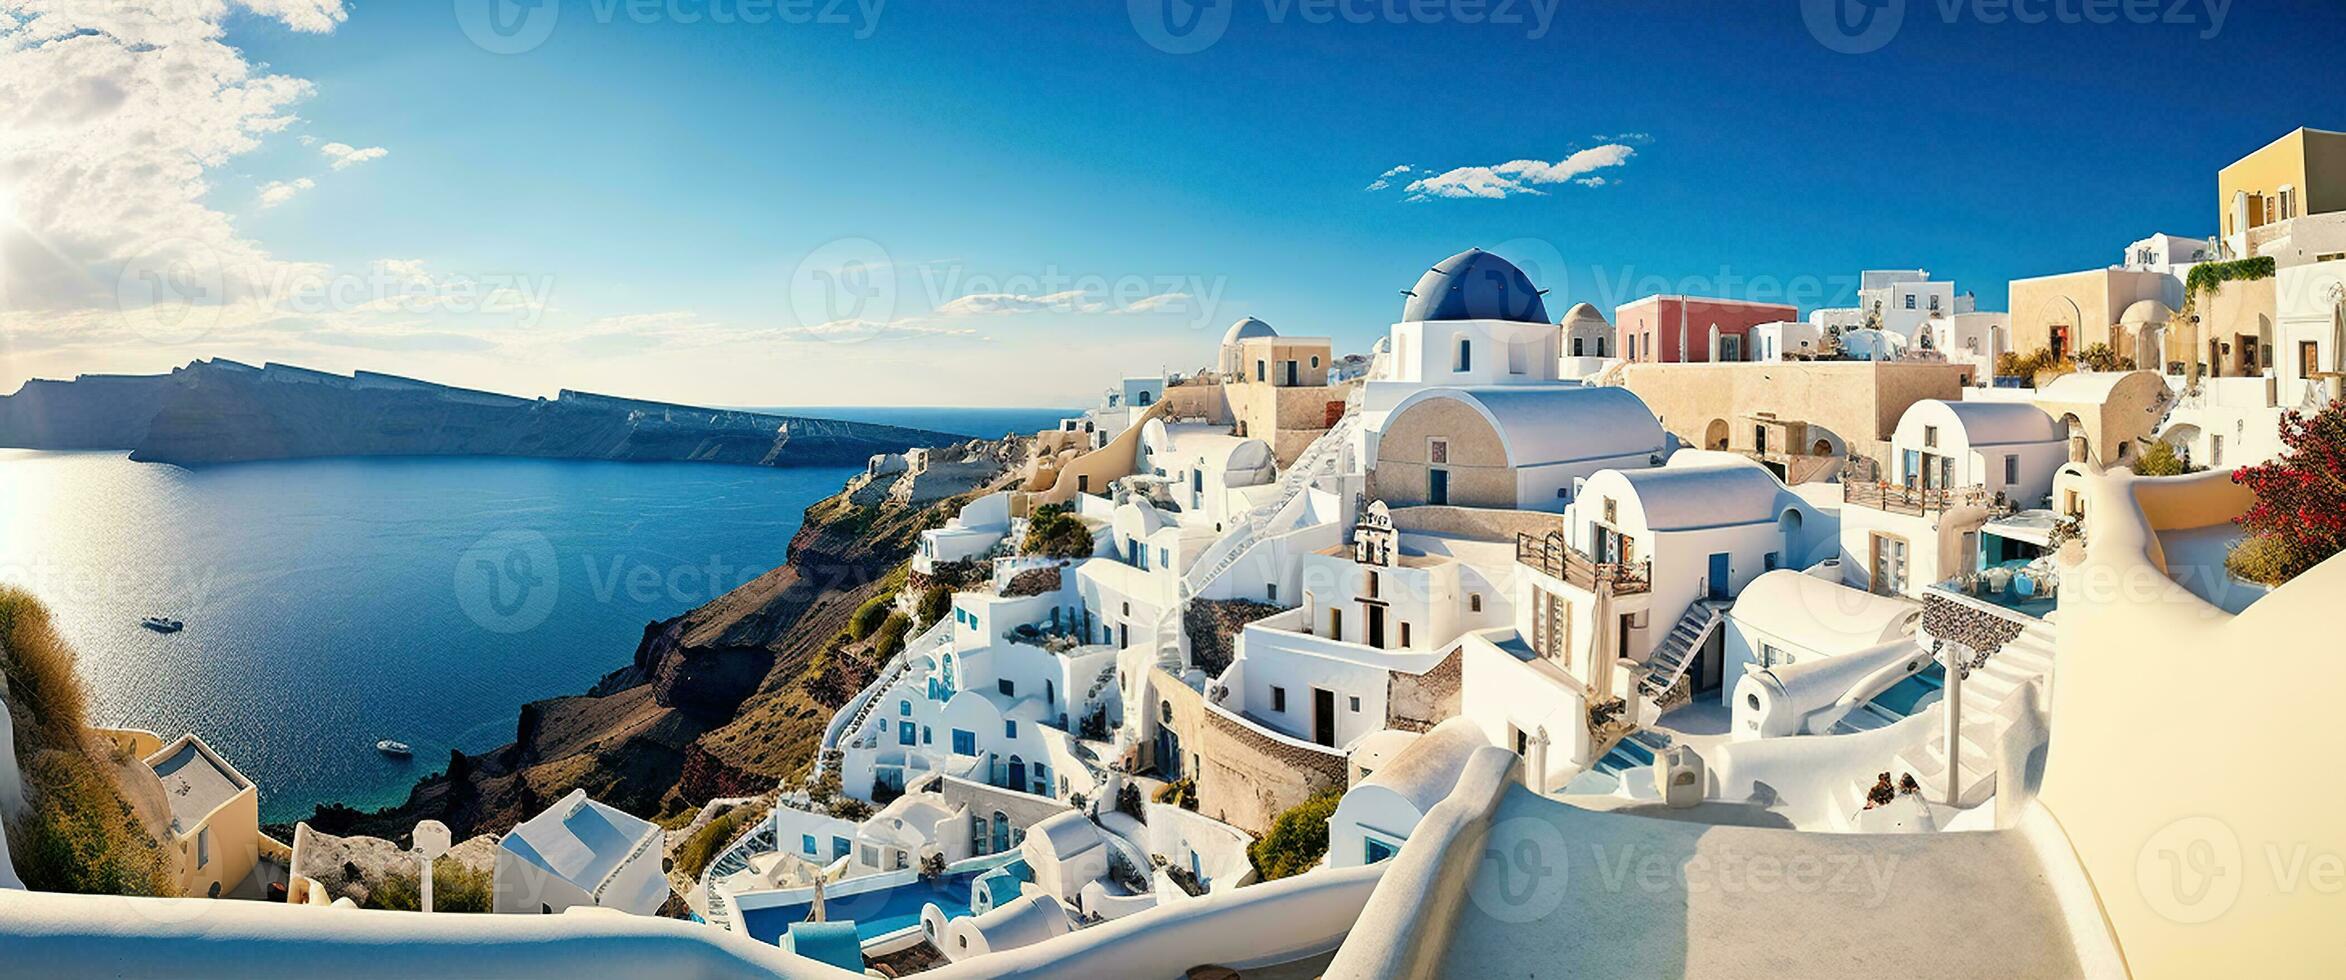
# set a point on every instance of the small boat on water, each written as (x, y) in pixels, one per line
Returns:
(162, 625)
(394, 749)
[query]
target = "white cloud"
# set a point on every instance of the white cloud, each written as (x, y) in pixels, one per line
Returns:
(111, 116)
(1385, 179)
(853, 330)
(277, 192)
(1518, 176)
(346, 156)
(1000, 304)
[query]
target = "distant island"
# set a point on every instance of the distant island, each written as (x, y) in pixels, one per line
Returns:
(223, 411)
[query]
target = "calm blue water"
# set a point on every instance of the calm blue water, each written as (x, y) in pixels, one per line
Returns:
(875, 913)
(331, 603)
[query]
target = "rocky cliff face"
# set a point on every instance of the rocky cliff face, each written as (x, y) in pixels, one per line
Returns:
(724, 700)
(220, 412)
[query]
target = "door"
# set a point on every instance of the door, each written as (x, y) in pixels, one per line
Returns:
(1017, 778)
(2060, 343)
(1720, 569)
(1323, 716)
(1438, 487)
(2309, 359)
(1292, 377)
(1376, 626)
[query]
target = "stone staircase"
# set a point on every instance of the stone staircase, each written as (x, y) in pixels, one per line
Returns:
(1986, 689)
(1666, 682)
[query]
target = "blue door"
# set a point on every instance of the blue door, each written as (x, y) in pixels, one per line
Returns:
(1719, 572)
(1438, 487)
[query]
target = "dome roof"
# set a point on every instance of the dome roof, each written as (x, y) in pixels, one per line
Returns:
(1583, 313)
(1248, 327)
(1474, 285)
(2144, 311)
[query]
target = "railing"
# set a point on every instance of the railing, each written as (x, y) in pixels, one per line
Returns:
(1918, 501)
(1550, 555)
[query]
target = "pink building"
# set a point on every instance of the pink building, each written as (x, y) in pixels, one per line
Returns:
(1681, 329)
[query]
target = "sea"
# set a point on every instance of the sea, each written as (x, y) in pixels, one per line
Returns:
(332, 603)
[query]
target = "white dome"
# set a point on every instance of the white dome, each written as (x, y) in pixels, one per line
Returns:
(1246, 328)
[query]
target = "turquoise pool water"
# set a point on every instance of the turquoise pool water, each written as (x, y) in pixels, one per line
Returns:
(875, 913)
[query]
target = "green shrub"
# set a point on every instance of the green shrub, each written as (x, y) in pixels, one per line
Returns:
(455, 888)
(870, 615)
(2266, 560)
(701, 848)
(1297, 840)
(935, 601)
(2160, 460)
(79, 834)
(1051, 530)
(891, 636)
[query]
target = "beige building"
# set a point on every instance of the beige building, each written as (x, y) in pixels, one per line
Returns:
(2071, 311)
(215, 818)
(2302, 173)
(1849, 407)
(2227, 332)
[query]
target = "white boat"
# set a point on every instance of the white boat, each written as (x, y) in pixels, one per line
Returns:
(394, 748)
(162, 625)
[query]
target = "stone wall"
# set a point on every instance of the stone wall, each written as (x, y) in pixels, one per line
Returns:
(1245, 777)
(1477, 462)
(1474, 523)
(1418, 702)
(1213, 624)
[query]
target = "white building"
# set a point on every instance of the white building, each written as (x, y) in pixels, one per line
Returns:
(1899, 301)
(2009, 448)
(1787, 341)
(973, 533)
(1324, 672)
(1976, 339)
(2168, 255)
(1788, 617)
(1509, 446)
(580, 852)
(1380, 810)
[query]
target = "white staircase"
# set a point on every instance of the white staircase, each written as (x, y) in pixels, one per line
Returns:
(1323, 457)
(1665, 681)
(2025, 657)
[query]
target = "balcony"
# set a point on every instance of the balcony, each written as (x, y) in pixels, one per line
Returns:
(1549, 555)
(1920, 501)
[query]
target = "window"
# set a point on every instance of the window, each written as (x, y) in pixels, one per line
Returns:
(1930, 436)
(964, 742)
(806, 843)
(1271, 593)
(1315, 360)
(1770, 562)
(1356, 704)
(903, 707)
(1164, 558)
(1576, 345)
(1009, 728)
(1474, 602)
(2011, 469)
(1465, 358)
(1374, 850)
(1910, 301)
(1278, 698)
(1372, 585)
(1335, 624)
(1770, 656)
(203, 847)
(1405, 634)
(906, 733)
(1612, 511)
(1438, 451)
(1008, 687)
(927, 735)
(840, 847)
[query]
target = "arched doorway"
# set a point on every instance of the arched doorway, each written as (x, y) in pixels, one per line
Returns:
(1017, 780)
(1715, 436)
(1168, 744)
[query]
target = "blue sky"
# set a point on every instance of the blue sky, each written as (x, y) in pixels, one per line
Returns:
(668, 182)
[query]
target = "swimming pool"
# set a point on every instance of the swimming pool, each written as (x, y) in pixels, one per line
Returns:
(879, 911)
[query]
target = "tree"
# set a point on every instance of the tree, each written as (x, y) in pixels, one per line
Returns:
(2299, 517)
(935, 601)
(1054, 532)
(1298, 839)
(2160, 460)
